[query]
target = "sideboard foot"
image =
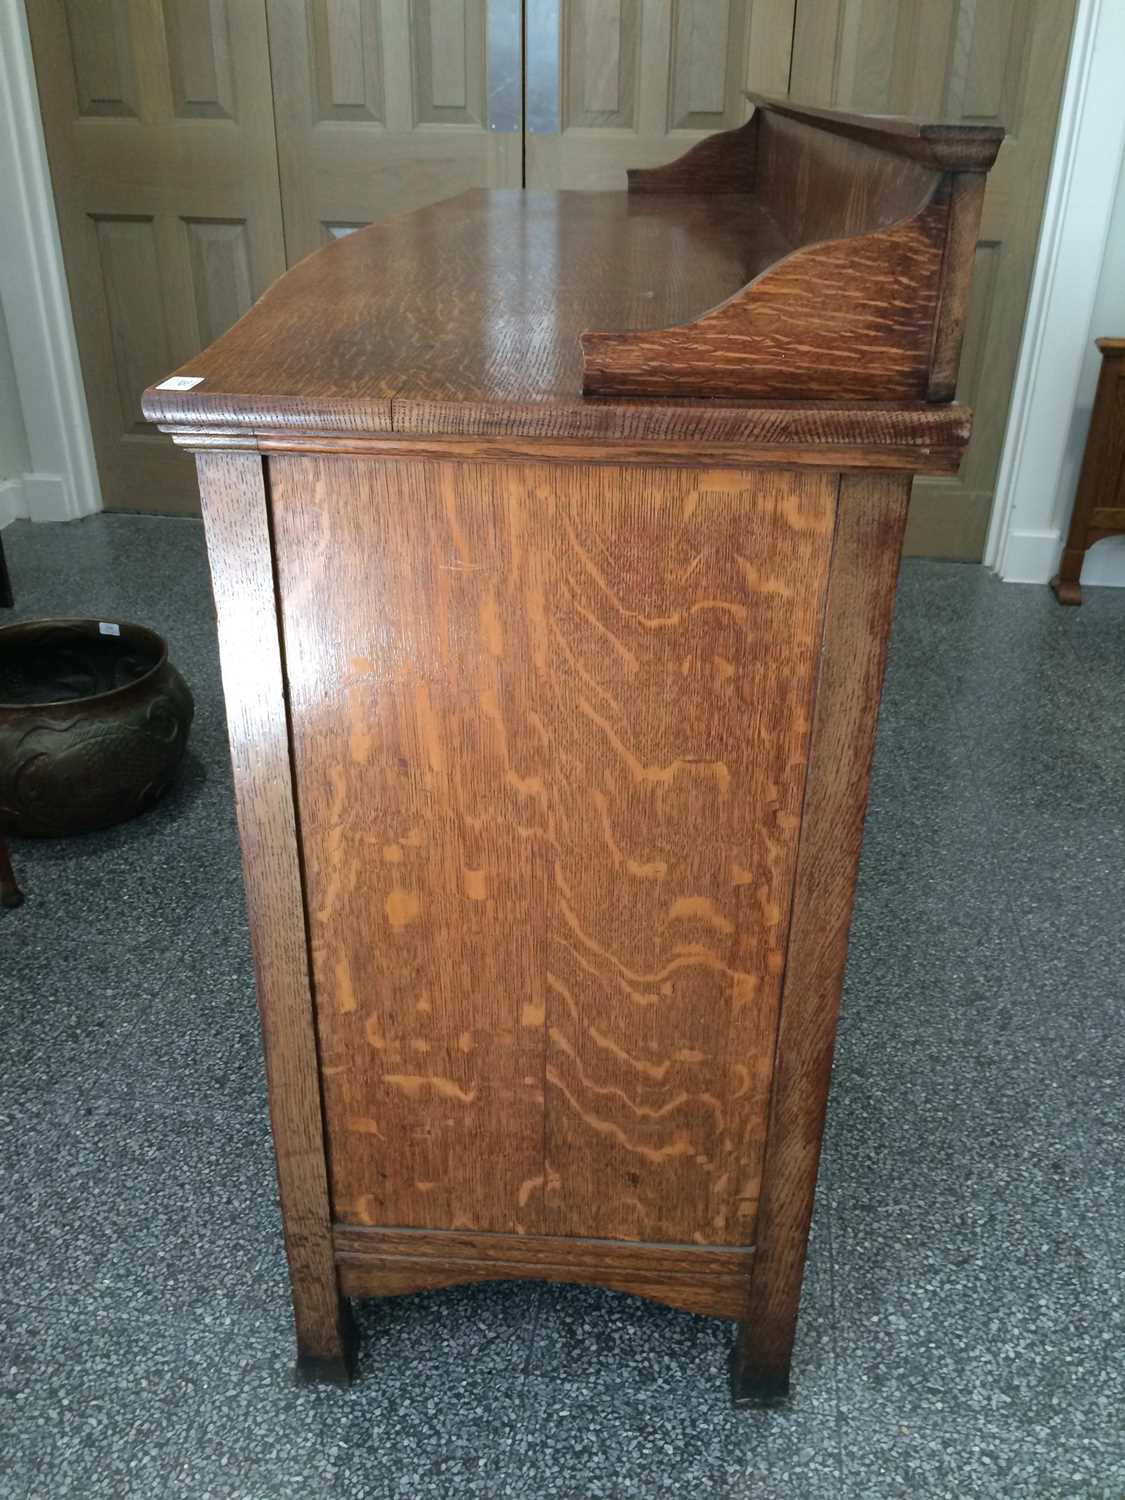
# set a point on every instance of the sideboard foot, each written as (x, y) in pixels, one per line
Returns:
(755, 1383)
(1066, 590)
(334, 1365)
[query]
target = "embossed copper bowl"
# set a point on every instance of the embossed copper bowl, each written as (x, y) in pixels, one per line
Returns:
(94, 721)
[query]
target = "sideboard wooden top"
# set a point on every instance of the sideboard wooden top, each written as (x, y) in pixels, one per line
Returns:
(803, 261)
(478, 299)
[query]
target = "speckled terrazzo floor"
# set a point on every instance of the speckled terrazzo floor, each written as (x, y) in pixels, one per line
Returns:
(963, 1326)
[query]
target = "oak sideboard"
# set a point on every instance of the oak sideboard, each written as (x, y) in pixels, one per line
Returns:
(554, 540)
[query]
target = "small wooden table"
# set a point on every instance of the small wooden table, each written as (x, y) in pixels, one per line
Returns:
(1099, 502)
(552, 659)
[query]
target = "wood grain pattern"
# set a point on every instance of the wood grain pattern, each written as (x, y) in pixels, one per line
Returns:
(850, 319)
(387, 1263)
(821, 186)
(1099, 501)
(857, 623)
(524, 700)
(234, 509)
(921, 439)
(966, 203)
(578, 707)
(476, 300)
(720, 163)
(958, 145)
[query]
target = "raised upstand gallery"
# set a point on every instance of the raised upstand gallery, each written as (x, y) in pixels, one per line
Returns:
(554, 540)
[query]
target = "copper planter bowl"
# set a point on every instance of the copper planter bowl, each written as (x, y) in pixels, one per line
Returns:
(94, 722)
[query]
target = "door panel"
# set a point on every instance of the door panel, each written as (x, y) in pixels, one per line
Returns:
(978, 60)
(159, 128)
(633, 83)
(387, 105)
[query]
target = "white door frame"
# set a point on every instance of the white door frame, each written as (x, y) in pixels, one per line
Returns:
(1053, 391)
(63, 481)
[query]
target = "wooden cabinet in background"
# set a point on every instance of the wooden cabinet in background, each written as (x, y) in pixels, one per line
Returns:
(1099, 503)
(554, 540)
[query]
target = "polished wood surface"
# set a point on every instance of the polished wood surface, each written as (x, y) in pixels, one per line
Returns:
(234, 512)
(842, 276)
(849, 319)
(871, 303)
(553, 738)
(1099, 502)
(392, 1262)
(872, 518)
(538, 969)
(922, 438)
(958, 145)
(476, 302)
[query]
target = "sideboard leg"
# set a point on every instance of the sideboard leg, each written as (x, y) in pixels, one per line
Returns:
(328, 1356)
(757, 1378)
(861, 591)
(1065, 583)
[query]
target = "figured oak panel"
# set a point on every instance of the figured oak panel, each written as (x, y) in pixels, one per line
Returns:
(549, 738)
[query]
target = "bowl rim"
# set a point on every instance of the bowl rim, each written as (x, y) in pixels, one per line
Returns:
(49, 622)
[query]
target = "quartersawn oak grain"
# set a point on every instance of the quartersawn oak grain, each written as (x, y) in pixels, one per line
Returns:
(477, 301)
(552, 714)
(234, 513)
(548, 821)
(871, 301)
(861, 593)
(390, 1262)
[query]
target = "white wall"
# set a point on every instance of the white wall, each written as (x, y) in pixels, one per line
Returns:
(1077, 294)
(15, 455)
(39, 371)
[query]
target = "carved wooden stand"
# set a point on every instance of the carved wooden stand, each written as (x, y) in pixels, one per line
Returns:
(1099, 504)
(552, 661)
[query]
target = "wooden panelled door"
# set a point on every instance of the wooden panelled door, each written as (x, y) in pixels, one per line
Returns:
(170, 179)
(384, 106)
(997, 61)
(187, 175)
(159, 126)
(613, 84)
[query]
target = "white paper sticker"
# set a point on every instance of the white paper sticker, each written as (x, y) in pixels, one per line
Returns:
(180, 382)
(106, 629)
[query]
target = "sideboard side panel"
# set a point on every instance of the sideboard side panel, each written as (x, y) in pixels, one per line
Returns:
(550, 728)
(233, 492)
(861, 593)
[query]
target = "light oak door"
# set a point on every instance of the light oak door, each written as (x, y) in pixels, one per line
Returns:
(384, 106)
(158, 118)
(613, 84)
(979, 60)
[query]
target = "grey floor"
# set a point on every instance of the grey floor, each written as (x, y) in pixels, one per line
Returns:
(963, 1326)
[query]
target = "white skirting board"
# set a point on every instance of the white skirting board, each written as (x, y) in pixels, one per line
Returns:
(1033, 557)
(42, 497)
(1077, 295)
